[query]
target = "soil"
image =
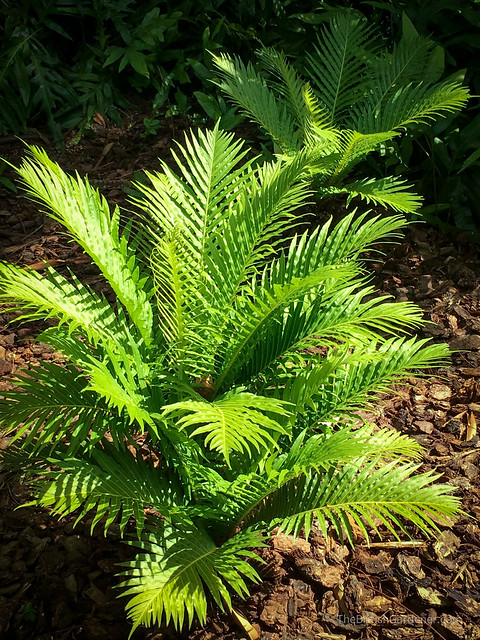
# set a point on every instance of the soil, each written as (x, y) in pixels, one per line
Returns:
(57, 582)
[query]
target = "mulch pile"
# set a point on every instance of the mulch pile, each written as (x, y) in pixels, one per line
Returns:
(57, 582)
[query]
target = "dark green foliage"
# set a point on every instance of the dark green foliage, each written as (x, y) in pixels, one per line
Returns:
(63, 61)
(443, 159)
(351, 101)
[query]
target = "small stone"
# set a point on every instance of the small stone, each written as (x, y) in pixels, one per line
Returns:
(440, 391)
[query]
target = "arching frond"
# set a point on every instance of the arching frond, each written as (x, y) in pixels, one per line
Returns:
(353, 147)
(51, 295)
(388, 192)
(86, 215)
(353, 382)
(197, 200)
(170, 580)
(287, 83)
(391, 493)
(109, 482)
(248, 242)
(266, 305)
(319, 134)
(411, 104)
(239, 500)
(53, 402)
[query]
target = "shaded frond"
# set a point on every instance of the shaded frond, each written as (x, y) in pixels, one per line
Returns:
(110, 482)
(53, 402)
(337, 67)
(246, 88)
(411, 104)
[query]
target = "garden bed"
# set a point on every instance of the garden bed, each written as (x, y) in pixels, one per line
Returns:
(58, 582)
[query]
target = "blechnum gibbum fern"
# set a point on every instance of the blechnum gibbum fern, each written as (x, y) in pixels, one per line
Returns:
(225, 354)
(356, 98)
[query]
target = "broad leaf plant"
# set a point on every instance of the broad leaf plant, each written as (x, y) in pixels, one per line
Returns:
(356, 98)
(213, 393)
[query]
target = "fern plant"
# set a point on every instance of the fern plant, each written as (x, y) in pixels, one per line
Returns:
(216, 397)
(357, 97)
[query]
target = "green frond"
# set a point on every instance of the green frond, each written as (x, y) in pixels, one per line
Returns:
(268, 301)
(388, 192)
(117, 370)
(319, 134)
(53, 402)
(353, 235)
(253, 233)
(51, 295)
(248, 89)
(185, 312)
(323, 451)
(86, 215)
(170, 579)
(117, 382)
(411, 104)
(407, 63)
(239, 500)
(353, 146)
(197, 200)
(337, 67)
(392, 493)
(287, 83)
(338, 315)
(110, 482)
(233, 422)
(366, 374)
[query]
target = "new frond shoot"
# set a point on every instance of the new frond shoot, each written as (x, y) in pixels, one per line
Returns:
(202, 392)
(354, 98)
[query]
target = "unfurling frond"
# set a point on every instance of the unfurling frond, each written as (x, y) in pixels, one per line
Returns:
(234, 422)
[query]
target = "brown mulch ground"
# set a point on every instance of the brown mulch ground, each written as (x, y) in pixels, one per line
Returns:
(58, 583)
